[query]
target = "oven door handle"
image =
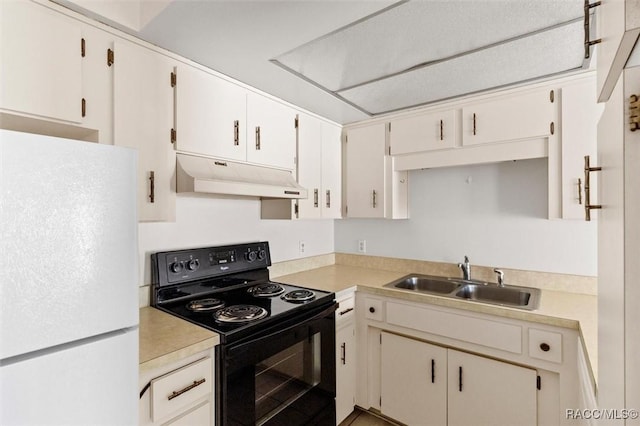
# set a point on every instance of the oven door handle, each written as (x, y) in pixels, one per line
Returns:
(241, 348)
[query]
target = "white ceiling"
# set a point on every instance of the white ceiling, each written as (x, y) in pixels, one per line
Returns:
(333, 57)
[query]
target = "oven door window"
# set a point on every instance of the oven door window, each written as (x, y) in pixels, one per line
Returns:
(286, 377)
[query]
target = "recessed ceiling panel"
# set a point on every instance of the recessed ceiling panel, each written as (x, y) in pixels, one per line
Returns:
(541, 54)
(416, 33)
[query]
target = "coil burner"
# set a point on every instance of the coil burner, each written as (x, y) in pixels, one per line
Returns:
(205, 305)
(240, 314)
(299, 296)
(266, 290)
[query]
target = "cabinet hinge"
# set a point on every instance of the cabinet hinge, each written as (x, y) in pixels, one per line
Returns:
(346, 210)
(296, 210)
(634, 113)
(174, 136)
(110, 57)
(552, 96)
(381, 401)
(380, 338)
(389, 127)
(389, 149)
(296, 122)
(83, 51)
(552, 128)
(538, 382)
(174, 79)
(84, 107)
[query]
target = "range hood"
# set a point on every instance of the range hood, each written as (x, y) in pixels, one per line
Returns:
(211, 176)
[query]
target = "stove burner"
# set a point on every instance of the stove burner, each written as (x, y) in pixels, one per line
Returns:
(266, 290)
(299, 296)
(204, 305)
(240, 313)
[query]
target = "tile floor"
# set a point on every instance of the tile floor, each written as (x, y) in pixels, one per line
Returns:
(363, 418)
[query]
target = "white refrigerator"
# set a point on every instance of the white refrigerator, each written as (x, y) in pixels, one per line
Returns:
(68, 282)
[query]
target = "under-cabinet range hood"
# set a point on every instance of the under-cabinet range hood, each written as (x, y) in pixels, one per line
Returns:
(211, 176)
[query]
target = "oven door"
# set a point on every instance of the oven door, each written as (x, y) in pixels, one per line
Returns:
(283, 376)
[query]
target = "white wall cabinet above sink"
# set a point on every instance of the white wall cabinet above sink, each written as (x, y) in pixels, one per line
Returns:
(424, 132)
(520, 116)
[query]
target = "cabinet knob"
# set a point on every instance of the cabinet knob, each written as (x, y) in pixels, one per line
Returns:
(545, 347)
(372, 309)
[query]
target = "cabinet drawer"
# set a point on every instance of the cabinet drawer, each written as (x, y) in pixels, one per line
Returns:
(345, 310)
(480, 331)
(545, 345)
(374, 309)
(174, 391)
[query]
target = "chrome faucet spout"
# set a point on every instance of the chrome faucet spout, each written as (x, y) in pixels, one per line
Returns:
(465, 268)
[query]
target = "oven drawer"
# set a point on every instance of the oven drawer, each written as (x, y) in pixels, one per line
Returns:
(175, 391)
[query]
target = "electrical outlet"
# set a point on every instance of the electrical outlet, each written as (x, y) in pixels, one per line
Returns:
(362, 246)
(302, 245)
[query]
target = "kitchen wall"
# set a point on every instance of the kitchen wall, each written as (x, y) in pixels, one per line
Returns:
(205, 221)
(495, 214)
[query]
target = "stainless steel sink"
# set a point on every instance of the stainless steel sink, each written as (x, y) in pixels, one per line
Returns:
(475, 291)
(518, 297)
(425, 283)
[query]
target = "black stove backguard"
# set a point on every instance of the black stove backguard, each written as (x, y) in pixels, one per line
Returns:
(278, 369)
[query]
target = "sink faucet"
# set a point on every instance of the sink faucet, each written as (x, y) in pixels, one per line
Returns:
(466, 268)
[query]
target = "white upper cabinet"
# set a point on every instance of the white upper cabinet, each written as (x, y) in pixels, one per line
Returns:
(143, 119)
(271, 132)
(210, 115)
(331, 188)
(310, 165)
(618, 27)
(520, 116)
(423, 132)
(373, 189)
(97, 83)
(580, 115)
(33, 39)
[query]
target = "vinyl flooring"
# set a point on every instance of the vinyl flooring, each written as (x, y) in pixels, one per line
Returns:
(363, 418)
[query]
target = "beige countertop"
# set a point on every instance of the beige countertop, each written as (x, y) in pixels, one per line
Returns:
(557, 308)
(165, 339)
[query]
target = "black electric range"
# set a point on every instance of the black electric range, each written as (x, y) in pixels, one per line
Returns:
(227, 289)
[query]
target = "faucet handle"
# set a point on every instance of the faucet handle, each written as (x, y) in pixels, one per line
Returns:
(500, 276)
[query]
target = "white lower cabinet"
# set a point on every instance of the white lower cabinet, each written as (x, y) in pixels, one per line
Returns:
(423, 384)
(345, 358)
(413, 381)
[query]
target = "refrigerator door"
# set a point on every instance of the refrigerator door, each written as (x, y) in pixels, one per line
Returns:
(68, 259)
(90, 384)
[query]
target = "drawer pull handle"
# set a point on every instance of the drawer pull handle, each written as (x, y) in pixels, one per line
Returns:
(545, 347)
(346, 311)
(433, 370)
(343, 358)
(187, 389)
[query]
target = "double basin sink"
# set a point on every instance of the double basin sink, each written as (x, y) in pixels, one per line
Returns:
(477, 291)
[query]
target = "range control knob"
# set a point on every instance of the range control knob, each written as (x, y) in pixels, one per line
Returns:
(176, 267)
(193, 264)
(262, 254)
(251, 256)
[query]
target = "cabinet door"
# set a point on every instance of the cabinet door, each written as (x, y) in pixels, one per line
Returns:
(310, 165)
(97, 83)
(271, 131)
(521, 116)
(331, 190)
(580, 115)
(366, 171)
(143, 118)
(413, 381)
(618, 28)
(483, 391)
(210, 115)
(33, 39)
(345, 371)
(425, 132)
